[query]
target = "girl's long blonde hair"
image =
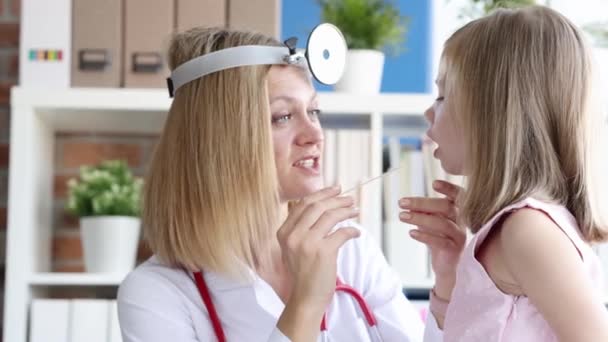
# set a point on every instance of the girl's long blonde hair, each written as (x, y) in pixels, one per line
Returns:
(211, 192)
(520, 84)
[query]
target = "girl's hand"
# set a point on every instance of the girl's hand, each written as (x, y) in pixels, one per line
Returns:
(438, 227)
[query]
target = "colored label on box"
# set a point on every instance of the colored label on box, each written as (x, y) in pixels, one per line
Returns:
(45, 55)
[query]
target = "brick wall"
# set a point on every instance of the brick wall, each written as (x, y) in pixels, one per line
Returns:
(71, 151)
(9, 51)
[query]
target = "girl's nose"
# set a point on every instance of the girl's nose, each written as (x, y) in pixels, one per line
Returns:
(429, 114)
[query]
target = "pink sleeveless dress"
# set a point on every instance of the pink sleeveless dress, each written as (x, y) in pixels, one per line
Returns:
(479, 311)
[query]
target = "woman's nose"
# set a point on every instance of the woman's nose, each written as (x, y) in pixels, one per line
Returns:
(310, 132)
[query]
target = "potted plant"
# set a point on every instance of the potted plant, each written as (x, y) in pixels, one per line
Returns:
(370, 28)
(106, 197)
(479, 8)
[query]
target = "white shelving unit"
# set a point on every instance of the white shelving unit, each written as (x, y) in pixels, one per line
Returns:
(37, 114)
(74, 279)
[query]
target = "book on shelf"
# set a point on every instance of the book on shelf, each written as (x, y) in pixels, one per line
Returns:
(347, 162)
(74, 320)
(89, 320)
(49, 320)
(407, 256)
(114, 334)
(412, 156)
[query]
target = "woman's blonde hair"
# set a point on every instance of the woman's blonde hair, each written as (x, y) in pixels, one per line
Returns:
(211, 193)
(519, 82)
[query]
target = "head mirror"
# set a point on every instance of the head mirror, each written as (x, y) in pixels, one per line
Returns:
(325, 56)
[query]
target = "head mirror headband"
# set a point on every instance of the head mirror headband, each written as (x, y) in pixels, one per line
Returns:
(325, 55)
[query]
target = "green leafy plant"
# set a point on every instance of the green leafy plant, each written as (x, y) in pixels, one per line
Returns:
(367, 24)
(489, 5)
(480, 8)
(599, 32)
(105, 189)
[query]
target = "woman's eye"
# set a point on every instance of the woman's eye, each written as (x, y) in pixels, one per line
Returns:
(315, 113)
(439, 99)
(282, 118)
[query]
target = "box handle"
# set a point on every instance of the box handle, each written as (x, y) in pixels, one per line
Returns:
(146, 62)
(93, 59)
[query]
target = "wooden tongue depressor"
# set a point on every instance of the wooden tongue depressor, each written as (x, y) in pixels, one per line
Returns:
(371, 180)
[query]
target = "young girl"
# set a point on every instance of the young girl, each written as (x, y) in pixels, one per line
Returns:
(514, 116)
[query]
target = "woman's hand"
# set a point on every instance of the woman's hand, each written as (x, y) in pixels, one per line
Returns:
(310, 251)
(438, 227)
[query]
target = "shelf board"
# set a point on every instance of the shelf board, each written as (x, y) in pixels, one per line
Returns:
(75, 279)
(401, 104)
(130, 110)
(126, 99)
(98, 99)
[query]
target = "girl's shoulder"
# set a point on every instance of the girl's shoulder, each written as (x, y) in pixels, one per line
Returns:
(523, 233)
(530, 212)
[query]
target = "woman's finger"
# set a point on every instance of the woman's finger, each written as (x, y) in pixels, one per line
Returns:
(320, 195)
(330, 219)
(335, 240)
(313, 212)
(296, 212)
(441, 206)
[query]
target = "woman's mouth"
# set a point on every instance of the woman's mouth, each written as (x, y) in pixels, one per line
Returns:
(308, 164)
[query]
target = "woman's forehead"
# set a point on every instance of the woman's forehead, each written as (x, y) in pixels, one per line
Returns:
(289, 82)
(284, 73)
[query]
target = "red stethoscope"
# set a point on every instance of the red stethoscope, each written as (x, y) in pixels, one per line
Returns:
(340, 287)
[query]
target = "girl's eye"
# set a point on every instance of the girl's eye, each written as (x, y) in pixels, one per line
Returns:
(315, 113)
(439, 99)
(280, 119)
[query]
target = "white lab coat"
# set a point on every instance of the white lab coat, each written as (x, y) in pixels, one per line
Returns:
(159, 303)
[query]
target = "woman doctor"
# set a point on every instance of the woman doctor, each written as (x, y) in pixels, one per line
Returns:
(242, 139)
